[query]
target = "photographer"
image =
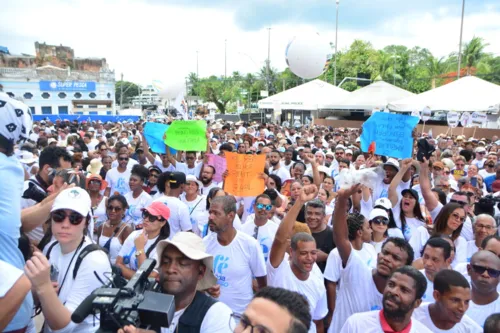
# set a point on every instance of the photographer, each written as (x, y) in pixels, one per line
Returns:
(185, 269)
(73, 266)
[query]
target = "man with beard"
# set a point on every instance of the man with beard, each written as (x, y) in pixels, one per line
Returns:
(297, 272)
(362, 287)
(391, 168)
(489, 166)
(237, 256)
(185, 271)
(447, 314)
(402, 294)
(207, 176)
(484, 272)
(276, 167)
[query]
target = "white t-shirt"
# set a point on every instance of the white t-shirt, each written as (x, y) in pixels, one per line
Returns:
(128, 250)
(428, 297)
(159, 164)
(179, 214)
(234, 267)
(198, 214)
(369, 322)
(466, 325)
(216, 320)
(282, 172)
(313, 289)
(391, 232)
(74, 291)
(412, 223)
(382, 190)
(118, 181)
(265, 234)
(248, 203)
(333, 269)
(483, 173)
(357, 294)
(135, 207)
(479, 313)
(9, 276)
(206, 189)
(471, 249)
(183, 167)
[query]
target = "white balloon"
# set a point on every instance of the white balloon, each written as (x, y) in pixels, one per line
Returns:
(306, 55)
(172, 90)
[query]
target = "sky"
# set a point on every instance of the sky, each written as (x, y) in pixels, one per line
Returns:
(150, 40)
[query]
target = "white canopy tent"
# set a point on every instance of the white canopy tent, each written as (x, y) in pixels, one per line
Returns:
(375, 95)
(469, 93)
(313, 95)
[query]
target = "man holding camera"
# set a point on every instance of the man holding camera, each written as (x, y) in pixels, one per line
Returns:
(185, 270)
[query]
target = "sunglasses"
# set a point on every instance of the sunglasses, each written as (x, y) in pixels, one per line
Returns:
(447, 172)
(114, 208)
(95, 182)
(123, 159)
(380, 220)
(266, 207)
(458, 217)
(154, 175)
(462, 203)
(59, 216)
(151, 218)
(480, 270)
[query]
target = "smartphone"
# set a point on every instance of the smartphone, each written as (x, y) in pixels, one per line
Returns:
(54, 273)
(473, 181)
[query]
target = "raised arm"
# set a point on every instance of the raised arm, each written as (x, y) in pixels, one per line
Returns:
(315, 170)
(393, 187)
(425, 186)
(340, 229)
(145, 147)
(285, 229)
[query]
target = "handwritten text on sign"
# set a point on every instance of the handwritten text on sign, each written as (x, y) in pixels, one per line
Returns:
(219, 163)
(244, 174)
(392, 134)
(187, 135)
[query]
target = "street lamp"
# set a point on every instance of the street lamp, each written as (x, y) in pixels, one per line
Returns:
(460, 45)
(336, 43)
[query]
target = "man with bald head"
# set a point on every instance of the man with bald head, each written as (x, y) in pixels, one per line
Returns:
(484, 272)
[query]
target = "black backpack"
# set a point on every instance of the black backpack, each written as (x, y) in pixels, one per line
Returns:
(83, 253)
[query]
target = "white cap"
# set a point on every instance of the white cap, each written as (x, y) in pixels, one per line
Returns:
(480, 150)
(384, 202)
(378, 212)
(231, 141)
(26, 157)
(75, 199)
(51, 140)
(348, 151)
(392, 162)
(192, 178)
(91, 129)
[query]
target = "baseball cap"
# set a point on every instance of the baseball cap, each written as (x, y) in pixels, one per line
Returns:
(348, 151)
(159, 209)
(192, 247)
(393, 163)
(411, 191)
(51, 140)
(384, 202)
(154, 168)
(177, 178)
(438, 164)
(378, 212)
(75, 199)
(480, 150)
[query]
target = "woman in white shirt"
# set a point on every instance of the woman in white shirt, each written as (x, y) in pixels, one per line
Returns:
(95, 185)
(112, 234)
(137, 198)
(196, 204)
(59, 288)
(141, 244)
(379, 222)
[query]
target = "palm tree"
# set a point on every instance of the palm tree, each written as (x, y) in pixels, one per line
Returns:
(473, 53)
(436, 67)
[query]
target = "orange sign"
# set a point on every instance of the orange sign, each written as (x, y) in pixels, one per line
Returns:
(243, 177)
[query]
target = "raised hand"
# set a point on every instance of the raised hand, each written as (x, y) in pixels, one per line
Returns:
(308, 193)
(346, 193)
(406, 163)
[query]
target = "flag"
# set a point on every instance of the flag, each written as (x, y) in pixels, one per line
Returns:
(181, 106)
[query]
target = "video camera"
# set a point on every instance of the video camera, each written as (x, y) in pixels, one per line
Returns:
(33, 192)
(138, 303)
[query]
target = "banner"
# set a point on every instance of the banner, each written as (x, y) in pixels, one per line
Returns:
(243, 177)
(466, 119)
(478, 119)
(426, 114)
(67, 86)
(154, 132)
(187, 135)
(219, 163)
(392, 134)
(452, 118)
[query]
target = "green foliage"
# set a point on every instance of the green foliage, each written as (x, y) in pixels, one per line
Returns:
(130, 90)
(219, 91)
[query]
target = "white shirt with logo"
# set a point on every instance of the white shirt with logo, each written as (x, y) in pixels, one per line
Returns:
(136, 206)
(265, 234)
(466, 325)
(369, 322)
(118, 181)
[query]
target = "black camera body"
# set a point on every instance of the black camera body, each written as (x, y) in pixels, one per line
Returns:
(138, 303)
(33, 192)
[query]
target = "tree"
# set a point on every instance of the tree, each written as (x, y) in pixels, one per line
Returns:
(473, 53)
(193, 81)
(435, 68)
(130, 90)
(219, 91)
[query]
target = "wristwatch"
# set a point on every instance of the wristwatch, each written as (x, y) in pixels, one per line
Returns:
(139, 252)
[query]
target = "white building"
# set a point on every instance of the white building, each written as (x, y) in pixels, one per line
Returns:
(52, 90)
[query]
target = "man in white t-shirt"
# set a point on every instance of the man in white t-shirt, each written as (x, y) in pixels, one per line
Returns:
(260, 228)
(391, 168)
(436, 257)
(237, 256)
(361, 288)
(447, 313)
(402, 295)
(276, 168)
(179, 212)
(296, 272)
(118, 178)
(489, 166)
(484, 272)
(207, 176)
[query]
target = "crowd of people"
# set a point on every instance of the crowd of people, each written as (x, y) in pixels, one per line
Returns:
(418, 251)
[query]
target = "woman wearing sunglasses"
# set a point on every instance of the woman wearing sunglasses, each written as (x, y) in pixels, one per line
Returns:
(379, 222)
(95, 185)
(449, 221)
(112, 234)
(54, 282)
(141, 244)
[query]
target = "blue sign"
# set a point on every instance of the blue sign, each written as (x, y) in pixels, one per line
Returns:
(154, 132)
(392, 134)
(67, 86)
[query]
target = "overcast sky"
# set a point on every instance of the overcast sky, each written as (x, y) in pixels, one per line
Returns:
(158, 39)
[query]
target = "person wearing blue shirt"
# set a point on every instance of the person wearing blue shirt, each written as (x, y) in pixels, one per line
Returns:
(488, 181)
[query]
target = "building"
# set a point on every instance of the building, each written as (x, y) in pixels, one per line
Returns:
(55, 82)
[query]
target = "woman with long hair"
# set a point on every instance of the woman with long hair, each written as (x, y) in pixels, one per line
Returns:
(95, 185)
(407, 212)
(325, 197)
(449, 221)
(141, 244)
(112, 234)
(196, 204)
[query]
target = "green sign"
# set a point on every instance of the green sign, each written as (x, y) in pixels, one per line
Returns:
(189, 135)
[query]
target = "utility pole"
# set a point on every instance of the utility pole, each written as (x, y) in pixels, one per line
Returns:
(121, 92)
(460, 45)
(225, 59)
(197, 73)
(268, 58)
(336, 43)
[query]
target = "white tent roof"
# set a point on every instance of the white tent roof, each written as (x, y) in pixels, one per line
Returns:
(375, 95)
(466, 94)
(312, 95)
